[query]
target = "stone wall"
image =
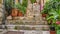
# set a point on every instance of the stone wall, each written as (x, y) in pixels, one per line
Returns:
(32, 17)
(1, 12)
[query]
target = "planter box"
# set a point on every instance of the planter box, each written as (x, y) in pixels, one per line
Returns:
(45, 32)
(58, 31)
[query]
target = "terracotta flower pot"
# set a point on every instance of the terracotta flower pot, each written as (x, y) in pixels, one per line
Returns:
(20, 14)
(58, 22)
(44, 15)
(52, 32)
(14, 12)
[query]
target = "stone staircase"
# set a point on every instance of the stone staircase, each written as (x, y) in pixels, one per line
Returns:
(33, 19)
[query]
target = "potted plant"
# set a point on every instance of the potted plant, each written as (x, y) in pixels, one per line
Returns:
(22, 10)
(14, 10)
(52, 23)
(22, 7)
(11, 8)
(51, 18)
(54, 18)
(52, 29)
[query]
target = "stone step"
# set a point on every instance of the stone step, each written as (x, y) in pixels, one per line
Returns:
(26, 32)
(29, 25)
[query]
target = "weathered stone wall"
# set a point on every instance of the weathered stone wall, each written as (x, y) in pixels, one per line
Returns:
(32, 17)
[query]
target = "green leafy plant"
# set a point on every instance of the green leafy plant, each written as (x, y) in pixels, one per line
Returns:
(25, 3)
(8, 6)
(52, 4)
(22, 7)
(52, 9)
